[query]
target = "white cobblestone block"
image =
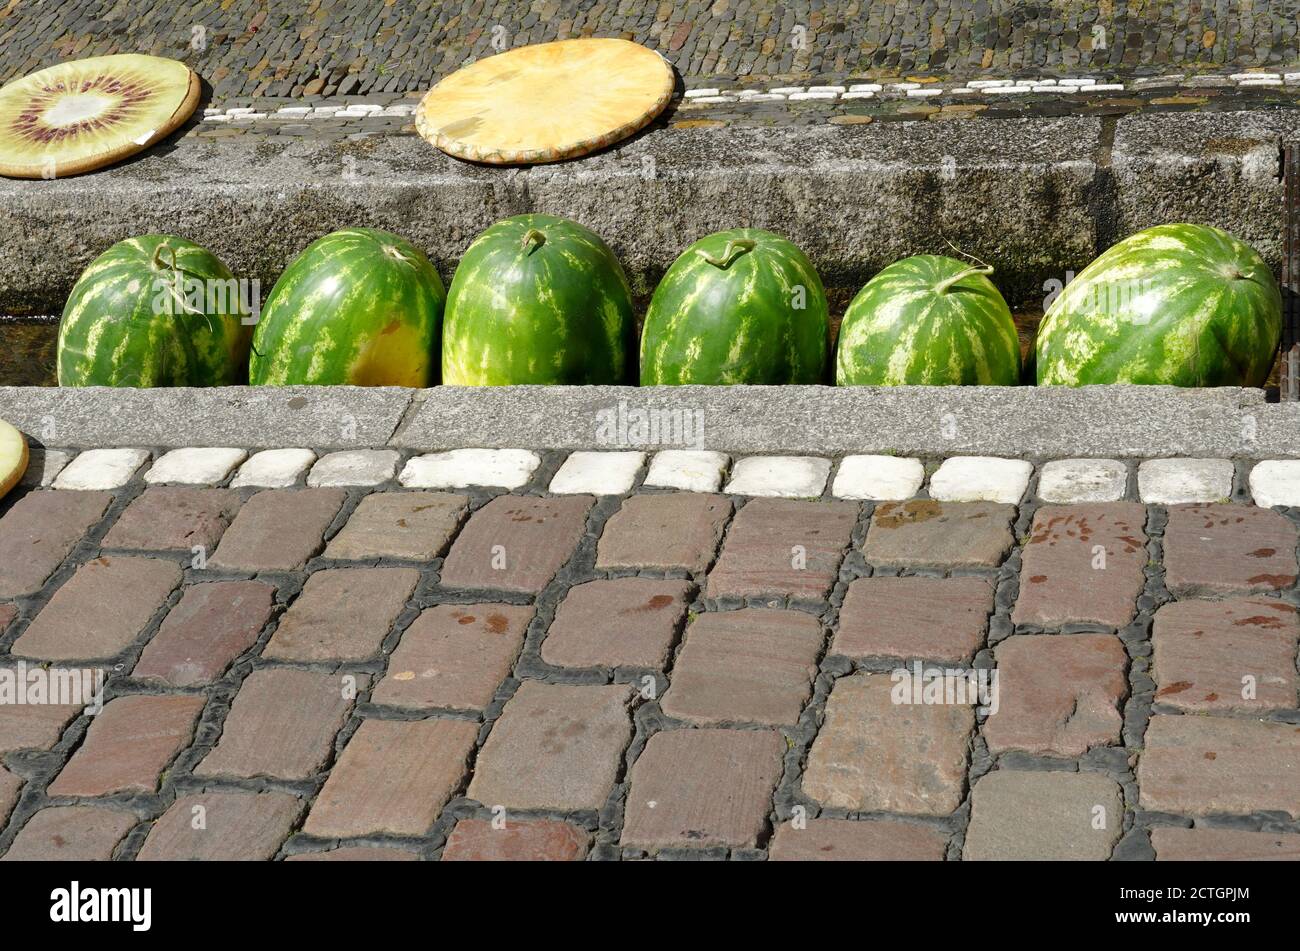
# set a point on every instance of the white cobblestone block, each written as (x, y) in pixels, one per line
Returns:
(1276, 482)
(796, 96)
(1107, 87)
(791, 477)
(989, 83)
(459, 468)
(865, 87)
(44, 465)
(864, 94)
(697, 93)
(786, 90)
(354, 467)
(1069, 481)
(980, 479)
(883, 478)
(1176, 481)
(274, 469)
(97, 470)
(835, 89)
(692, 470)
(598, 473)
(195, 466)
(924, 93)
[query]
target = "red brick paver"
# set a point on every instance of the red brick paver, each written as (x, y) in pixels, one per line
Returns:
(101, 609)
(701, 788)
(282, 724)
(676, 530)
(1043, 815)
(941, 619)
(520, 840)
(1058, 695)
(342, 614)
(210, 626)
(1224, 845)
(516, 543)
(393, 777)
(925, 533)
(34, 726)
(1083, 563)
(278, 530)
(1198, 766)
(750, 666)
(39, 532)
(1228, 549)
(454, 656)
(554, 747)
(71, 834)
(129, 744)
(875, 755)
(848, 840)
(1229, 655)
(412, 525)
(174, 517)
(623, 622)
(783, 548)
(222, 826)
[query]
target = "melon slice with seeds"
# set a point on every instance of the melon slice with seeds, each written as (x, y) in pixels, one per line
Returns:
(546, 102)
(13, 457)
(85, 114)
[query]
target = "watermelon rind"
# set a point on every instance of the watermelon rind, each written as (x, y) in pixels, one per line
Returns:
(155, 310)
(359, 307)
(1178, 304)
(744, 306)
(537, 299)
(928, 320)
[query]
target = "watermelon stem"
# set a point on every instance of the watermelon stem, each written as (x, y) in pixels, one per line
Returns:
(533, 240)
(734, 249)
(948, 282)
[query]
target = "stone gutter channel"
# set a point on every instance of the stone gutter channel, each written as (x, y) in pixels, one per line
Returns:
(1035, 197)
(1021, 422)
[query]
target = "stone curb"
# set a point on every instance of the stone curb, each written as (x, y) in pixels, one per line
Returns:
(1034, 197)
(1033, 422)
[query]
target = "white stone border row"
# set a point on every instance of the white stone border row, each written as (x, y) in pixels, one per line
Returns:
(1168, 481)
(713, 95)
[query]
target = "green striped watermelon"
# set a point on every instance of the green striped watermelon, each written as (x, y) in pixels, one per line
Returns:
(156, 310)
(1180, 304)
(537, 299)
(360, 306)
(928, 320)
(739, 306)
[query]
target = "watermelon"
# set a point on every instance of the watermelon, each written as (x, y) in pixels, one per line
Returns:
(739, 306)
(156, 310)
(928, 320)
(1180, 304)
(537, 299)
(360, 307)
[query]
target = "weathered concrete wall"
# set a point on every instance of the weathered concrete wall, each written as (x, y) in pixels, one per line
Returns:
(1034, 197)
(1034, 422)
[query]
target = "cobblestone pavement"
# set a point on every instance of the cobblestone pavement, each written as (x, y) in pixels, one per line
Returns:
(619, 655)
(248, 48)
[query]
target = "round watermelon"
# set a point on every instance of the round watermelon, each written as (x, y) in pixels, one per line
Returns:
(1180, 304)
(928, 320)
(739, 306)
(537, 299)
(360, 307)
(156, 310)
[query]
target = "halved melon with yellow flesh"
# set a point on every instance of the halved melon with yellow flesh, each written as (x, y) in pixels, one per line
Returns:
(546, 102)
(13, 457)
(88, 113)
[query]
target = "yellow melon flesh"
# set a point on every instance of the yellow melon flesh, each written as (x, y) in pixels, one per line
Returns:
(546, 102)
(13, 457)
(85, 114)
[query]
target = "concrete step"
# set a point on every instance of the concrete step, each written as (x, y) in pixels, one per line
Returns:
(1034, 197)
